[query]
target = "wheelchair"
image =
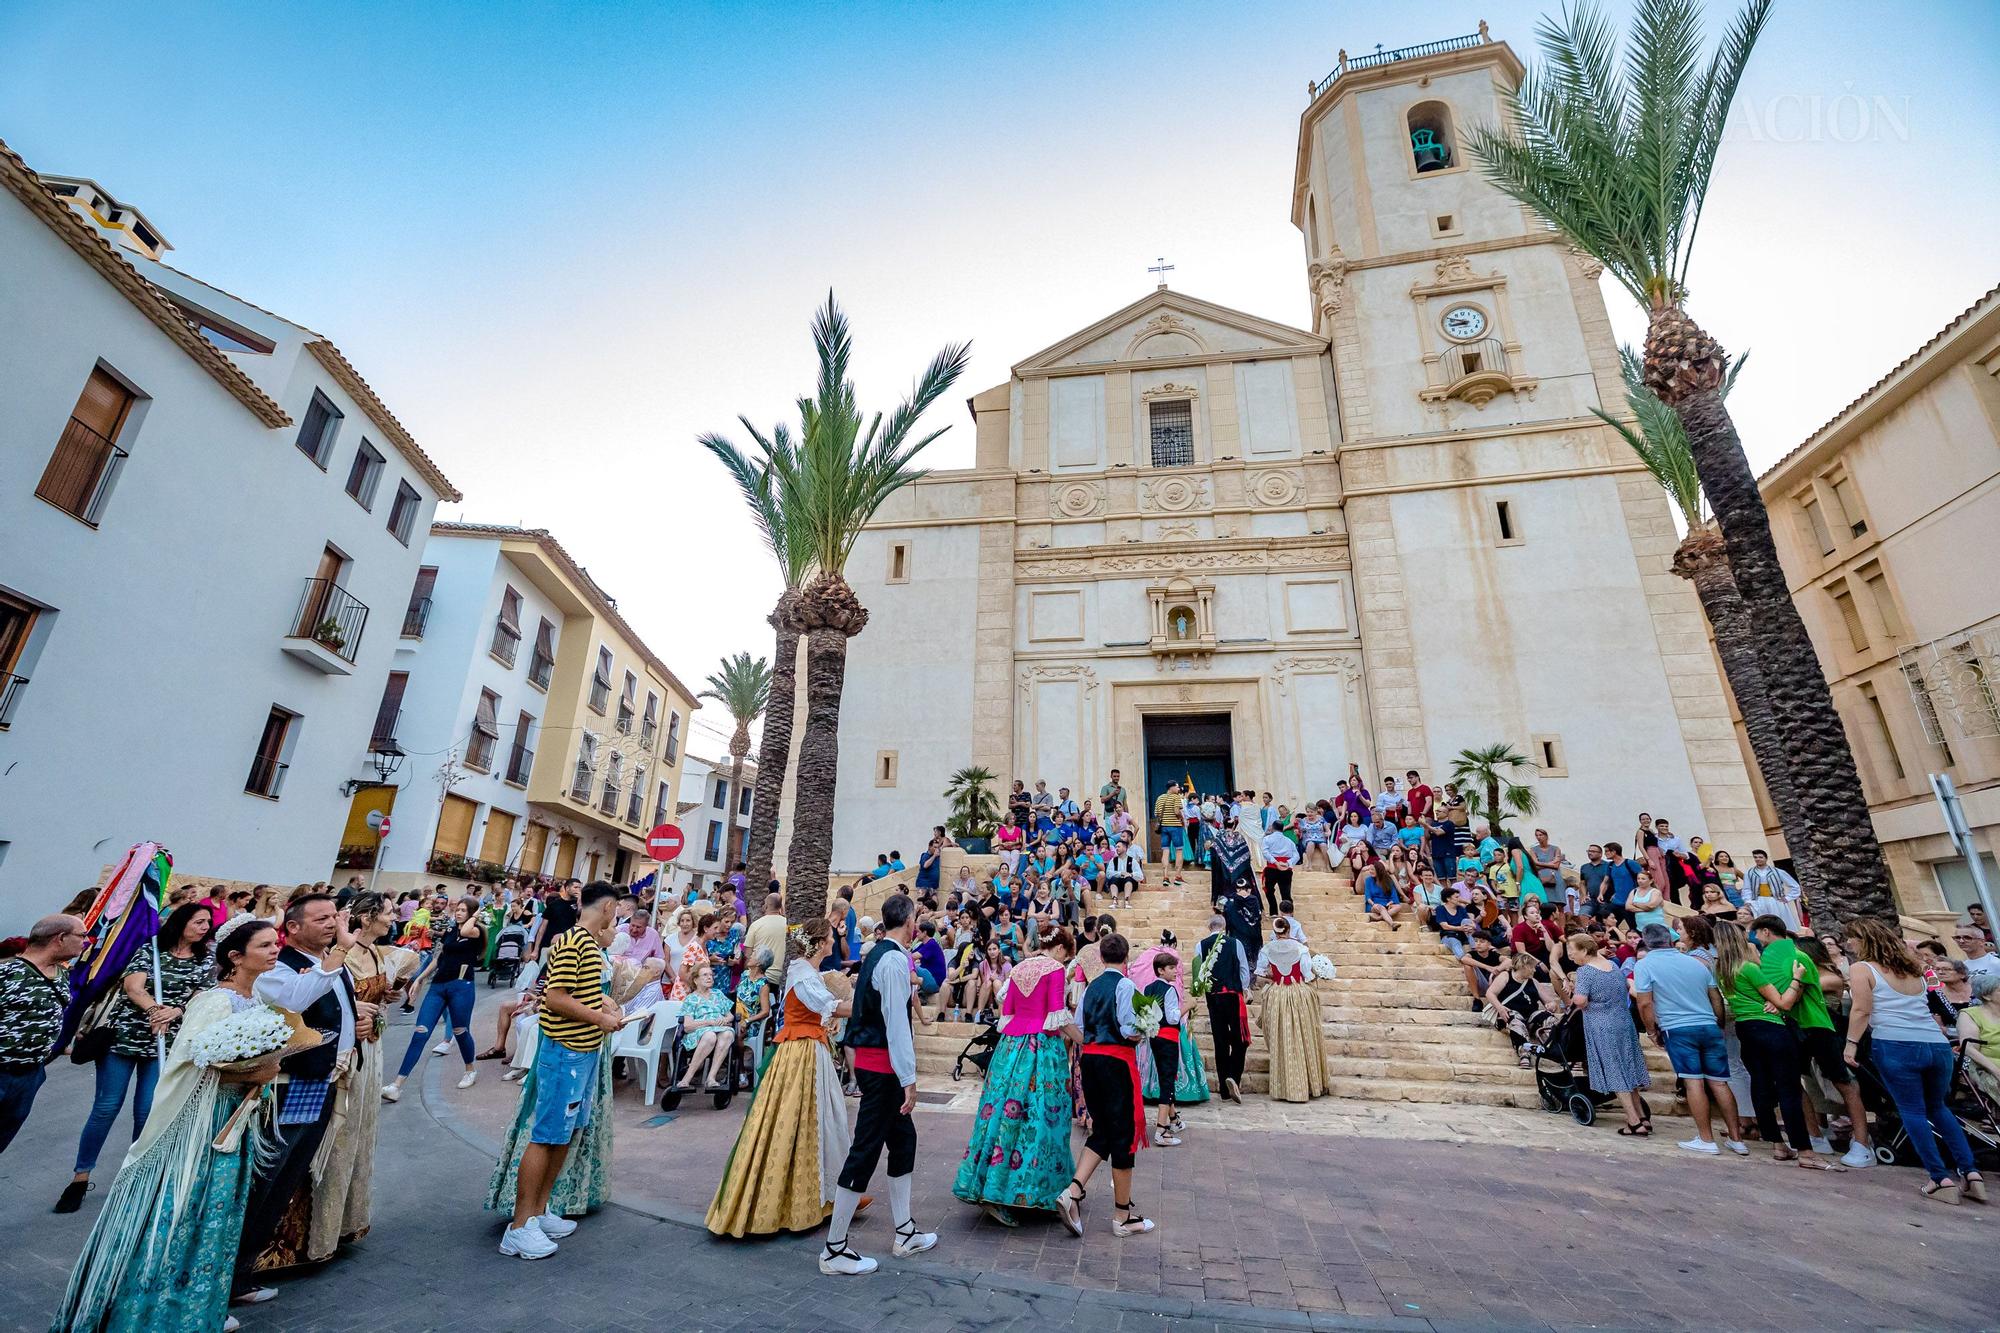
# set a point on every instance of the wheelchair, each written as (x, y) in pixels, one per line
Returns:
(677, 1063)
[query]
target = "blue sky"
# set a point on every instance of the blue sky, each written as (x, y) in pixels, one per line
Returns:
(562, 240)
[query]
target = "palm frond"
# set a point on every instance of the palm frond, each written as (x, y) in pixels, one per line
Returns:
(1658, 438)
(742, 686)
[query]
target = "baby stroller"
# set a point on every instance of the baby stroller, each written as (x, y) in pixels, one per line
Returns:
(677, 1058)
(978, 1052)
(1977, 1113)
(1560, 1066)
(507, 954)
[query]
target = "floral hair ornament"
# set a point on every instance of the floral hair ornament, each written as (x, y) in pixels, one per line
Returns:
(236, 923)
(797, 935)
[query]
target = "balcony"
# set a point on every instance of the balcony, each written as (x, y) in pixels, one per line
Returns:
(416, 618)
(609, 804)
(78, 472)
(506, 644)
(1373, 58)
(580, 783)
(1474, 372)
(519, 765)
(624, 720)
(383, 735)
(600, 695)
(540, 670)
(10, 690)
(267, 777)
(326, 631)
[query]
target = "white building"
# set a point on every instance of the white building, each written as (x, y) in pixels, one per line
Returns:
(705, 807)
(209, 525)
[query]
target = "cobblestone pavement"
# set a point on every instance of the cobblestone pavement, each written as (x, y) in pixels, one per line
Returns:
(1395, 1220)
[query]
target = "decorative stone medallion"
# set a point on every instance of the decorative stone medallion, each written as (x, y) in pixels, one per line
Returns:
(1078, 499)
(1173, 494)
(1274, 488)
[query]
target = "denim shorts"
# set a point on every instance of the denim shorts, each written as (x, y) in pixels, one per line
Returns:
(565, 1086)
(1698, 1052)
(1170, 838)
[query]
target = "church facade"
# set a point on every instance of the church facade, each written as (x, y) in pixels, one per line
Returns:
(1197, 542)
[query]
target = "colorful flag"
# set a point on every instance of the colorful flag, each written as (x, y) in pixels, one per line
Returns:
(125, 914)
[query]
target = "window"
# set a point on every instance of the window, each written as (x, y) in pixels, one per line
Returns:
(600, 683)
(85, 462)
(649, 726)
(316, 433)
(1506, 525)
(628, 704)
(713, 849)
(507, 630)
(899, 562)
(1975, 670)
(1850, 615)
(1816, 527)
(365, 475)
(1171, 426)
(719, 798)
(17, 622)
(543, 663)
(673, 736)
(267, 767)
(419, 613)
(1444, 224)
(660, 804)
(635, 805)
(1882, 732)
(1431, 144)
(403, 514)
(586, 767)
(743, 796)
(886, 762)
(1849, 504)
(1885, 601)
(521, 760)
(485, 733)
(614, 767)
(222, 333)
(390, 711)
(1927, 712)
(1548, 757)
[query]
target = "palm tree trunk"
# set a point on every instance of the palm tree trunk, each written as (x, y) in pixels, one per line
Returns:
(1703, 560)
(1493, 809)
(1685, 367)
(828, 615)
(774, 748)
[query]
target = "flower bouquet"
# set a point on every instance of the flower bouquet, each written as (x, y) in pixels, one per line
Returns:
(1203, 980)
(1322, 967)
(1149, 1010)
(245, 1040)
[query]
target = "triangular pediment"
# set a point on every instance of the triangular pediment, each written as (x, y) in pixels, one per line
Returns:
(1167, 326)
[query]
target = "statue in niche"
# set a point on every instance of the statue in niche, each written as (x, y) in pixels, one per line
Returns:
(1181, 623)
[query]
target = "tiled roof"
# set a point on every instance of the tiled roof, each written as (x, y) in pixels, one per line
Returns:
(598, 597)
(22, 182)
(345, 375)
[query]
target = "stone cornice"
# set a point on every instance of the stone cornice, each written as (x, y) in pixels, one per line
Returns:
(1225, 555)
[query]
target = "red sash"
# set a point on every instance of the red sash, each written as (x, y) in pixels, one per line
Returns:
(1168, 1034)
(874, 1059)
(1128, 1056)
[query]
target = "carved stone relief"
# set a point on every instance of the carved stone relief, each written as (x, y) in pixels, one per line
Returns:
(1275, 488)
(1173, 494)
(1077, 499)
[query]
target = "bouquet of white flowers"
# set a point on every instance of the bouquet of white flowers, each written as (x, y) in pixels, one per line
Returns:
(1203, 980)
(1149, 1010)
(241, 1040)
(1322, 967)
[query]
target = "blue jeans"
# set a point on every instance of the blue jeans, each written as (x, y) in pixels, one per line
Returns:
(455, 996)
(1918, 1077)
(17, 1098)
(114, 1077)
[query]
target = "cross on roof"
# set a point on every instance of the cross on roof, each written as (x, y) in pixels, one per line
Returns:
(1162, 268)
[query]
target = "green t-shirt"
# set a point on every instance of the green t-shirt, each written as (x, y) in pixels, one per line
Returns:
(1810, 1011)
(1746, 1002)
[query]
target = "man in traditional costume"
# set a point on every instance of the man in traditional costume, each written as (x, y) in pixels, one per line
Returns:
(885, 1065)
(1111, 1034)
(311, 981)
(1225, 970)
(782, 1175)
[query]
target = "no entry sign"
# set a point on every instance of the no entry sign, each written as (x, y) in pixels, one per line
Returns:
(664, 843)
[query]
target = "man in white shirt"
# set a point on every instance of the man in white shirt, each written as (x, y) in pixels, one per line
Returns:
(1279, 854)
(1123, 873)
(1980, 960)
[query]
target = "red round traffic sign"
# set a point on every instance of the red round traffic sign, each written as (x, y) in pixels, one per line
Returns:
(382, 829)
(664, 843)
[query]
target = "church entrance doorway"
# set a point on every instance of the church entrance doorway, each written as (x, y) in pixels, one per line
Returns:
(1187, 746)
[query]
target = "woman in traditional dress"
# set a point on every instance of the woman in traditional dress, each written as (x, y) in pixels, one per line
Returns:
(161, 1256)
(585, 1181)
(1288, 1016)
(1191, 1082)
(1019, 1156)
(782, 1172)
(1229, 863)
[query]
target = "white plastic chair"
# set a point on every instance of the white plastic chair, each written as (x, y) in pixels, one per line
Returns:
(647, 1041)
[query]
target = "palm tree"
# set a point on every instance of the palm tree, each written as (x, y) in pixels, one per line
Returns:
(1658, 438)
(743, 688)
(1618, 161)
(784, 539)
(973, 811)
(1484, 774)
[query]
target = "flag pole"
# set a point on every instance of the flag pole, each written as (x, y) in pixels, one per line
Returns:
(159, 993)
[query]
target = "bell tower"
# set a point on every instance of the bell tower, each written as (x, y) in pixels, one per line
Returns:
(1469, 347)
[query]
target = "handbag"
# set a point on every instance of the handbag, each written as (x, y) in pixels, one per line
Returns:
(93, 1035)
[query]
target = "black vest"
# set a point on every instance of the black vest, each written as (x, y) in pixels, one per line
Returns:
(1158, 989)
(1228, 971)
(1097, 1016)
(864, 1024)
(322, 1014)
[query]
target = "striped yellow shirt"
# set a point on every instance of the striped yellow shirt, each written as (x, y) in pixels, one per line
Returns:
(575, 964)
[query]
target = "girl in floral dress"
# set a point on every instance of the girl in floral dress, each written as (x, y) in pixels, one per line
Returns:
(1019, 1156)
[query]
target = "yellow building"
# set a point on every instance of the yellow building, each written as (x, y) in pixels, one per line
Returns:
(1887, 521)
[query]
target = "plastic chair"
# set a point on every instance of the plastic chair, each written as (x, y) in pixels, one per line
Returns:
(646, 1041)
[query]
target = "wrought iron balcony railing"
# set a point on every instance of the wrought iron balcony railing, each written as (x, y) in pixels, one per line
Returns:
(330, 616)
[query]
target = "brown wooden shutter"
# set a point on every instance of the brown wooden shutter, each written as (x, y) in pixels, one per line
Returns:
(454, 830)
(565, 856)
(534, 848)
(499, 833)
(103, 405)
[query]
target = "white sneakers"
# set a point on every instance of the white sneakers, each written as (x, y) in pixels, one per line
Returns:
(1702, 1146)
(1821, 1146)
(1858, 1155)
(391, 1093)
(1737, 1146)
(471, 1077)
(442, 1048)
(841, 1261)
(555, 1228)
(526, 1242)
(911, 1241)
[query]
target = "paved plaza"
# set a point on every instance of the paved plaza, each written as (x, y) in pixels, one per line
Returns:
(1324, 1216)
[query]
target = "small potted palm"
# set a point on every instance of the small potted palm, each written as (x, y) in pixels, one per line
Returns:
(975, 813)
